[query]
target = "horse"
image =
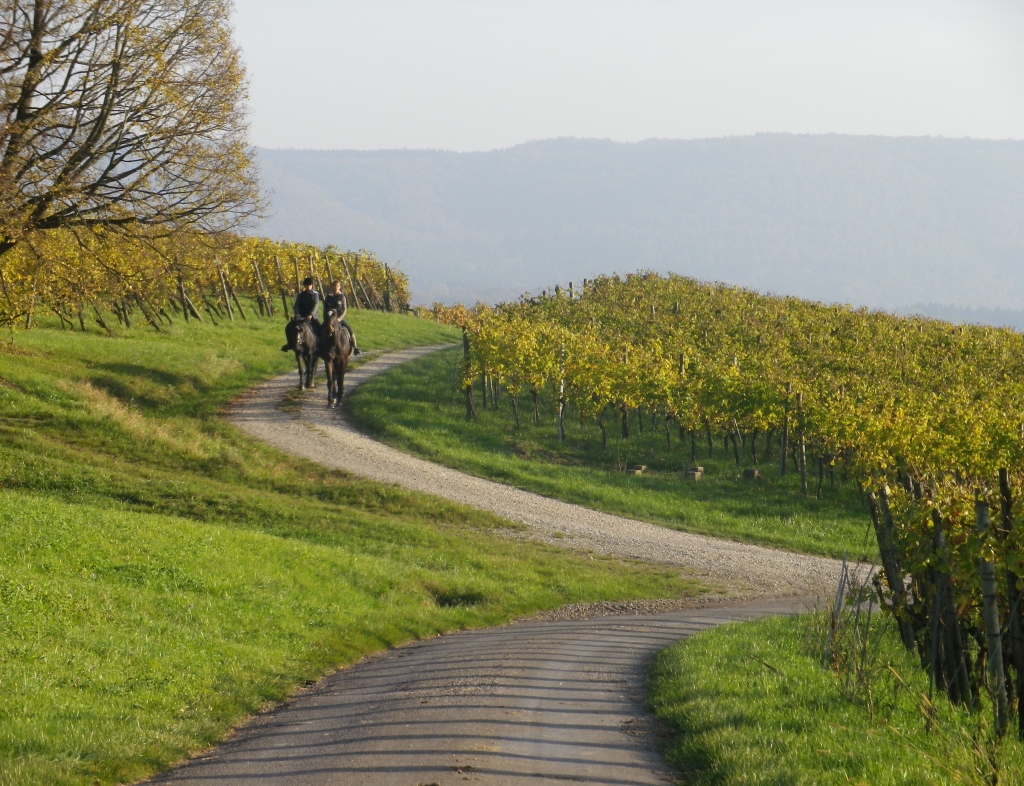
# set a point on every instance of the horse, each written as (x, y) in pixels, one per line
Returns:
(335, 348)
(303, 341)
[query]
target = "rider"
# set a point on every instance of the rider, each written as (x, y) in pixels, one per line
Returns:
(337, 303)
(305, 308)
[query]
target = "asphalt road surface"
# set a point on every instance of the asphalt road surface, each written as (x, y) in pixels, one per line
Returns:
(535, 703)
(551, 702)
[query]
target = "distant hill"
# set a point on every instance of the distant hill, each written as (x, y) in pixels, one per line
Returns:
(997, 317)
(877, 221)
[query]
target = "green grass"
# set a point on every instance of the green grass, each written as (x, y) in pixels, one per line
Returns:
(162, 575)
(751, 704)
(418, 408)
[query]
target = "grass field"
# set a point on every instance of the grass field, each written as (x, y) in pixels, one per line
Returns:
(751, 705)
(162, 575)
(419, 408)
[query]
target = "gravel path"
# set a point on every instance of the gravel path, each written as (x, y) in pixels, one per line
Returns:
(746, 571)
(546, 701)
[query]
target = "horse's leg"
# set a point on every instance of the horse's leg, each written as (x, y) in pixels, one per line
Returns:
(330, 380)
(298, 362)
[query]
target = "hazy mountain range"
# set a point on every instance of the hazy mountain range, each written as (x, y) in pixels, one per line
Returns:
(878, 221)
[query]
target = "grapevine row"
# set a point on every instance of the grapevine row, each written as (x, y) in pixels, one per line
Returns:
(83, 278)
(927, 417)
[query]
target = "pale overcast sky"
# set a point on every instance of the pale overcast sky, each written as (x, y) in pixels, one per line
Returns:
(479, 75)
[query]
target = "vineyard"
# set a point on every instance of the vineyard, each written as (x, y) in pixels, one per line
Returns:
(103, 279)
(926, 417)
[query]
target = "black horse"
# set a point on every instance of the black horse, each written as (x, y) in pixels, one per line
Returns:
(303, 341)
(335, 348)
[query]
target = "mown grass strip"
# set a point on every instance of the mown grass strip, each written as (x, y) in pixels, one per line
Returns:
(418, 408)
(750, 703)
(162, 575)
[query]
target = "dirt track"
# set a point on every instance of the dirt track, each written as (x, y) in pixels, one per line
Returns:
(748, 571)
(542, 702)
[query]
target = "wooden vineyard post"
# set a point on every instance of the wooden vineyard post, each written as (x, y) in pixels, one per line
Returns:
(468, 384)
(147, 314)
(561, 396)
(187, 301)
(881, 517)
(990, 616)
(351, 283)
(801, 445)
(298, 279)
(231, 291)
(949, 664)
(370, 302)
(784, 436)
(1014, 601)
(387, 288)
(224, 290)
(281, 287)
(265, 299)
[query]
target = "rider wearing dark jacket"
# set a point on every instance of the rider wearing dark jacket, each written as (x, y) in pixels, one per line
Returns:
(305, 308)
(335, 301)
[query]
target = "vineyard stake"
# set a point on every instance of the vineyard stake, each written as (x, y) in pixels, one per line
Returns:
(784, 436)
(1014, 598)
(990, 616)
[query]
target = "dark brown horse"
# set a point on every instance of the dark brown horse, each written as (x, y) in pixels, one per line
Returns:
(335, 348)
(303, 340)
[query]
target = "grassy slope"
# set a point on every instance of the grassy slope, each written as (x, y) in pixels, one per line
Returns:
(752, 705)
(162, 575)
(418, 408)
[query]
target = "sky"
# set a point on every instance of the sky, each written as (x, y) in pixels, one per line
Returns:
(480, 75)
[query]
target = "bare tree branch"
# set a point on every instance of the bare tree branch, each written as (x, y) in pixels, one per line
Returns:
(122, 113)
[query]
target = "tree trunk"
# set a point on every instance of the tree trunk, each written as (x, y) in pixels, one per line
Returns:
(624, 410)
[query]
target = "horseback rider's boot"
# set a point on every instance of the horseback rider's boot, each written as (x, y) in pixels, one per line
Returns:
(286, 348)
(355, 347)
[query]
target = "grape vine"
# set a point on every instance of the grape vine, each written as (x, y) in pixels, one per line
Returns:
(926, 416)
(88, 278)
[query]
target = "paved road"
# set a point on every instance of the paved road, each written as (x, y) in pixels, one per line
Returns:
(533, 703)
(539, 703)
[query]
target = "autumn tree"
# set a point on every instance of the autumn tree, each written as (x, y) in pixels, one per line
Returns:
(121, 114)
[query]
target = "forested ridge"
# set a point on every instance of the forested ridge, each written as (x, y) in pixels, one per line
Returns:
(879, 221)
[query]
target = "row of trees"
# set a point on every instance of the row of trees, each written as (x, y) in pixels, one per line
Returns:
(84, 277)
(927, 416)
